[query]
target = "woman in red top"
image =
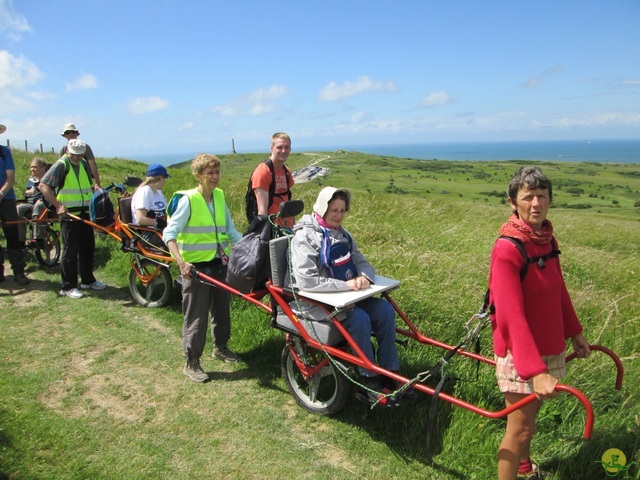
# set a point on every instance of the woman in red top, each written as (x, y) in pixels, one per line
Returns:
(533, 317)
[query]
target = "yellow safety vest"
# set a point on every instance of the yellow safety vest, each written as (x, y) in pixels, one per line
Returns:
(202, 234)
(76, 192)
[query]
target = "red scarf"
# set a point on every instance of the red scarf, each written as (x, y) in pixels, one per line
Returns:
(516, 228)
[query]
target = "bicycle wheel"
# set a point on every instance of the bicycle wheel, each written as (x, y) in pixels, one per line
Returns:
(326, 392)
(49, 254)
(151, 286)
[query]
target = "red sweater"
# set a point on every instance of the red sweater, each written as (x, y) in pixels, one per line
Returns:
(533, 318)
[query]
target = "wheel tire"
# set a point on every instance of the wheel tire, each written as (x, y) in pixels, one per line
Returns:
(50, 254)
(325, 393)
(156, 293)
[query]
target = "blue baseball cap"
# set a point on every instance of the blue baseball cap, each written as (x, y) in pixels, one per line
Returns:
(157, 170)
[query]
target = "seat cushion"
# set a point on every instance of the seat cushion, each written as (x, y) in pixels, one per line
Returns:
(312, 318)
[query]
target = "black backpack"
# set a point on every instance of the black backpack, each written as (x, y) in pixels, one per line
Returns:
(251, 203)
(248, 267)
(525, 268)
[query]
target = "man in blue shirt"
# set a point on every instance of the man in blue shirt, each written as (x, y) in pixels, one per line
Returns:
(9, 213)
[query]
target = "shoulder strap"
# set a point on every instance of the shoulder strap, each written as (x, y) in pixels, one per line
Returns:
(541, 260)
(520, 246)
(525, 268)
(272, 185)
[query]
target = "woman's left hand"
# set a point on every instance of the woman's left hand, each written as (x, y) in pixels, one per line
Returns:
(581, 346)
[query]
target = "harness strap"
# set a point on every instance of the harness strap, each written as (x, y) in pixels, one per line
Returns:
(541, 261)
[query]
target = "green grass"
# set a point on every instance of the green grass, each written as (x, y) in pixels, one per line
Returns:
(93, 388)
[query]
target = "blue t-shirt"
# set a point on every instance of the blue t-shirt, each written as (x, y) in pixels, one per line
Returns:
(6, 164)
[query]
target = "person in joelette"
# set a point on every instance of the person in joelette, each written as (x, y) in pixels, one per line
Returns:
(325, 258)
(149, 206)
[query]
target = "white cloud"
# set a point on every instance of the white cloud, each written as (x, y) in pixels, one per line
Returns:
(12, 23)
(85, 82)
(16, 74)
(361, 117)
(533, 82)
(39, 95)
(141, 105)
(258, 102)
(334, 92)
(536, 80)
(435, 99)
(553, 70)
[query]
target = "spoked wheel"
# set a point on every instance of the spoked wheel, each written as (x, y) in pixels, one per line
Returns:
(326, 392)
(49, 254)
(150, 283)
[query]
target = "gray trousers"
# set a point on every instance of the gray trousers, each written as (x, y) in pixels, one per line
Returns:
(198, 302)
(27, 210)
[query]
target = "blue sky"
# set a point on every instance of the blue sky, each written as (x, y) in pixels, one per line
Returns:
(145, 77)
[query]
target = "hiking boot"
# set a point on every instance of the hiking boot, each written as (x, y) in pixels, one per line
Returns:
(72, 293)
(93, 286)
(21, 279)
(223, 353)
(407, 394)
(375, 391)
(194, 371)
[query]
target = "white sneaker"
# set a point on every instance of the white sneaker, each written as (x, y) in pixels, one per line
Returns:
(93, 286)
(72, 293)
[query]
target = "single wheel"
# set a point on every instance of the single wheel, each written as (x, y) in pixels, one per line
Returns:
(150, 283)
(49, 254)
(326, 392)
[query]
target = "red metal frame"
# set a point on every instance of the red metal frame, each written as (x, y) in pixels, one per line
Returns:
(282, 297)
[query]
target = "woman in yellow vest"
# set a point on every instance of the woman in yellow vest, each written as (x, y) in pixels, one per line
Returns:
(199, 234)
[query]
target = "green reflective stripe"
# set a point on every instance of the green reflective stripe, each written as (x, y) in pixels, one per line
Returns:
(75, 191)
(198, 247)
(205, 229)
(72, 203)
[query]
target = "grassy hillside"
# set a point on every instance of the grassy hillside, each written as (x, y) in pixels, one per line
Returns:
(94, 389)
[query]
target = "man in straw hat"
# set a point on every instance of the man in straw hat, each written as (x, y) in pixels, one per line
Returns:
(70, 132)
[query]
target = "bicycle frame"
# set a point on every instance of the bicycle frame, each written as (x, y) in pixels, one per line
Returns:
(280, 297)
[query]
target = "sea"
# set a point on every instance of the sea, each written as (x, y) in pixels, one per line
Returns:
(600, 151)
